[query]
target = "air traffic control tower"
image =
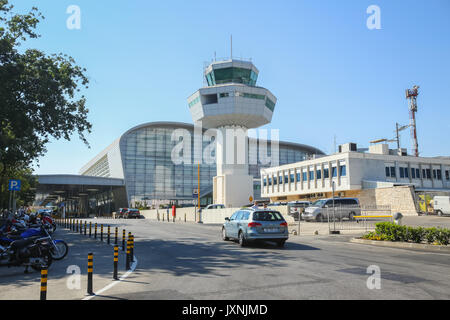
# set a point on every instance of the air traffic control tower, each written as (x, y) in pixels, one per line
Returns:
(232, 104)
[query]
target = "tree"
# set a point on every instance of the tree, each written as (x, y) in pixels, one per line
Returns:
(39, 94)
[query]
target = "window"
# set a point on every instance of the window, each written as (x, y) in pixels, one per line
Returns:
(334, 171)
(439, 174)
(304, 176)
(447, 175)
(424, 174)
(234, 74)
(388, 172)
(246, 215)
(418, 173)
(286, 179)
(311, 175)
(194, 102)
(270, 104)
(292, 177)
(319, 174)
(239, 215)
(298, 176)
(434, 174)
(224, 95)
(267, 216)
(265, 182)
(326, 173)
(342, 171)
(270, 181)
(428, 173)
(393, 172)
(280, 179)
(413, 173)
(402, 172)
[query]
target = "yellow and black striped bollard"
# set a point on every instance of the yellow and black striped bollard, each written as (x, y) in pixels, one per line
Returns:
(127, 264)
(132, 249)
(44, 273)
(90, 229)
(123, 240)
(116, 261)
(85, 227)
(90, 272)
(95, 231)
(109, 234)
(116, 235)
(101, 232)
(81, 227)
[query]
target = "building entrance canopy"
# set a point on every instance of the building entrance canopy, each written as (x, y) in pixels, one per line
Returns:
(81, 195)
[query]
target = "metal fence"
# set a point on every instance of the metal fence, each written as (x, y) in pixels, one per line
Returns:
(356, 218)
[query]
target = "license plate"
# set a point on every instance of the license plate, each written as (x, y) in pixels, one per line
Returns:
(271, 230)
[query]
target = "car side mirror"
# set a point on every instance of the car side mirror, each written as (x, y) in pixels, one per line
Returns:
(227, 219)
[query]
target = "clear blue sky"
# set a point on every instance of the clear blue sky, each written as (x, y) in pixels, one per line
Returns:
(330, 73)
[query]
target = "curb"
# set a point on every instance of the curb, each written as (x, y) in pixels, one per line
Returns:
(403, 245)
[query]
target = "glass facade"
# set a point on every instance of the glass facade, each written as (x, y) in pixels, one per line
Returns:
(231, 75)
(150, 174)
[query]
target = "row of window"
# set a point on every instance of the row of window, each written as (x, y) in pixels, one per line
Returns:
(415, 173)
(304, 176)
(231, 75)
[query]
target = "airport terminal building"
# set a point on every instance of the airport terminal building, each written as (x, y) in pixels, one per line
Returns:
(142, 157)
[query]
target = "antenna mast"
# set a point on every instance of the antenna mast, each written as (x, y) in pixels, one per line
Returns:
(412, 94)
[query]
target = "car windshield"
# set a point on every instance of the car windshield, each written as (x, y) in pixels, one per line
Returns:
(267, 216)
(319, 203)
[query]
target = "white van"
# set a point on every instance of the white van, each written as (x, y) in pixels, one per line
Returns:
(441, 205)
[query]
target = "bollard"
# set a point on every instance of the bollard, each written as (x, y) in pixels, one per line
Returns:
(44, 273)
(123, 240)
(116, 259)
(85, 227)
(76, 225)
(90, 229)
(116, 234)
(101, 233)
(90, 271)
(95, 231)
(81, 227)
(109, 234)
(185, 217)
(132, 249)
(127, 264)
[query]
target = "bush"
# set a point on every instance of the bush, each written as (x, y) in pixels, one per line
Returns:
(392, 232)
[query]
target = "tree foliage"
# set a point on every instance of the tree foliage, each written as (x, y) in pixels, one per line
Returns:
(39, 94)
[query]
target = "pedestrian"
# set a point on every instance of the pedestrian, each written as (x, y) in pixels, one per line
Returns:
(255, 205)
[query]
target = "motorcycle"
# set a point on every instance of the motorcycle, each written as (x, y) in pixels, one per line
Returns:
(32, 252)
(58, 248)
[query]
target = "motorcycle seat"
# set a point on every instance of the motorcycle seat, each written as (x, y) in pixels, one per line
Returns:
(19, 244)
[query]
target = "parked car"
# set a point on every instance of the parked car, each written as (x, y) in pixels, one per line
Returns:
(441, 205)
(121, 212)
(296, 208)
(212, 206)
(247, 225)
(343, 208)
(132, 214)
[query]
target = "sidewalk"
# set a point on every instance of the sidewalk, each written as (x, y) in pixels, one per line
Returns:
(16, 285)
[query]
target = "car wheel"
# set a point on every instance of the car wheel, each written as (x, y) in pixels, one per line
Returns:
(319, 218)
(280, 243)
(351, 216)
(439, 213)
(224, 235)
(242, 241)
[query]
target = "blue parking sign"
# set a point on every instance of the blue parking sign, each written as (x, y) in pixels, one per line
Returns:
(14, 185)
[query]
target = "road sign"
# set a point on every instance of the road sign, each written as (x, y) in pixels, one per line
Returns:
(250, 199)
(14, 185)
(195, 193)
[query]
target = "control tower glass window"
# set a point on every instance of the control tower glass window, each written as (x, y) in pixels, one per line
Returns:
(232, 75)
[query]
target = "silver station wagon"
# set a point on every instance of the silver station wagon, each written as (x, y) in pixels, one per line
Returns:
(249, 225)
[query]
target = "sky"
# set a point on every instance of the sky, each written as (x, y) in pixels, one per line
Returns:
(334, 78)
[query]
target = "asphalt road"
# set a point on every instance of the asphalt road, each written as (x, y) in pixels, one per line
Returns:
(190, 261)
